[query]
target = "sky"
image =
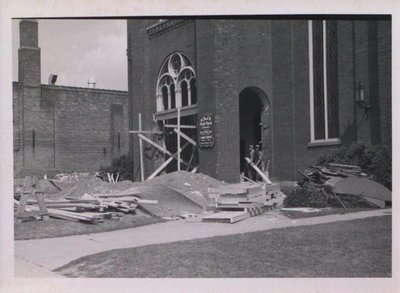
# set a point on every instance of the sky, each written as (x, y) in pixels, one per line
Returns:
(75, 50)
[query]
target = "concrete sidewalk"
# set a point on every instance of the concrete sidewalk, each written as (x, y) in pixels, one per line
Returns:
(51, 253)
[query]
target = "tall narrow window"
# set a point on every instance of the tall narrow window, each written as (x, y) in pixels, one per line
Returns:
(185, 97)
(324, 112)
(193, 91)
(165, 97)
(173, 101)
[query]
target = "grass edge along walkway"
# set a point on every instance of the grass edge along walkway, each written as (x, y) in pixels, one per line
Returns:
(356, 248)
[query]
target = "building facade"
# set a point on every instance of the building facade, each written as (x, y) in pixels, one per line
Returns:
(299, 88)
(62, 128)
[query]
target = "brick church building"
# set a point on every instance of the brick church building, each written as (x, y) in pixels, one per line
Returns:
(299, 88)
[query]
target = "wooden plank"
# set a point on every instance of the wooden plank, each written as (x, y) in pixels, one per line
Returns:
(141, 149)
(344, 166)
(66, 215)
(155, 173)
(147, 201)
(262, 175)
(239, 205)
(171, 113)
(182, 126)
(145, 131)
(190, 161)
(226, 217)
(164, 150)
(70, 205)
(186, 137)
(178, 113)
(243, 187)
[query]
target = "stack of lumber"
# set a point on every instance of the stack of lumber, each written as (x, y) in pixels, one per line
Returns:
(236, 202)
(324, 173)
(91, 208)
(351, 186)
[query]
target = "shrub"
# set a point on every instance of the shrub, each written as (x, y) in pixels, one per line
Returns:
(122, 165)
(312, 195)
(307, 195)
(374, 160)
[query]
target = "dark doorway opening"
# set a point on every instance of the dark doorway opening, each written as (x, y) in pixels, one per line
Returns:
(254, 119)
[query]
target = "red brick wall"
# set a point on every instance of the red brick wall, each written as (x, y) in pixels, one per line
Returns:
(271, 55)
(73, 129)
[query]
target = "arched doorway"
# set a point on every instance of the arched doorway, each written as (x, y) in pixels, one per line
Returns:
(255, 124)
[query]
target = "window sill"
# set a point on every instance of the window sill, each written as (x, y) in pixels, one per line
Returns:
(322, 143)
(172, 113)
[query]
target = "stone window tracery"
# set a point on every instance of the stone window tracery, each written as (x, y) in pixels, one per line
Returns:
(176, 83)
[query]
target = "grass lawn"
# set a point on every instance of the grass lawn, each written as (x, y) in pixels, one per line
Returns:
(56, 227)
(358, 248)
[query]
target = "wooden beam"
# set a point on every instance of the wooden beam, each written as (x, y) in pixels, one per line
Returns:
(145, 131)
(155, 173)
(141, 149)
(263, 176)
(164, 150)
(186, 137)
(178, 115)
(171, 113)
(160, 148)
(190, 161)
(182, 126)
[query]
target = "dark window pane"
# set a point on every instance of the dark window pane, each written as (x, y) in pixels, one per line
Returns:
(193, 91)
(172, 89)
(318, 66)
(184, 91)
(165, 97)
(332, 80)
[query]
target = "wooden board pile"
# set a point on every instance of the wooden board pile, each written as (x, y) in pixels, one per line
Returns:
(236, 202)
(322, 174)
(349, 184)
(91, 208)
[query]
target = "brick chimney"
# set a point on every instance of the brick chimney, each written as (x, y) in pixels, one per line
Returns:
(29, 53)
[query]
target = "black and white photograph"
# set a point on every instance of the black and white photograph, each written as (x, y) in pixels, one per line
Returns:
(191, 147)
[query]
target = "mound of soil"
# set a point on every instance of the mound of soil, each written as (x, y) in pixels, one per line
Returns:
(176, 192)
(193, 186)
(171, 203)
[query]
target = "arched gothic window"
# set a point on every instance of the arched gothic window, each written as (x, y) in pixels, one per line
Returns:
(176, 83)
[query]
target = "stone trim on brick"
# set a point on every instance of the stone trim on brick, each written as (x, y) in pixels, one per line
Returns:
(164, 26)
(71, 88)
(331, 142)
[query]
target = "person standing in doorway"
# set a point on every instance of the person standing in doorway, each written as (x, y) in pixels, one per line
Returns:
(248, 170)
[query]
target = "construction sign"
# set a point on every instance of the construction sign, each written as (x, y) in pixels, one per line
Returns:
(206, 130)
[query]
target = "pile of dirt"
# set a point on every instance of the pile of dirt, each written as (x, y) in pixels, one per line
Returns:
(176, 192)
(171, 203)
(193, 185)
(93, 185)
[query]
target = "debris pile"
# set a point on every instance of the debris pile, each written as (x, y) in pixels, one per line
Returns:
(92, 208)
(86, 198)
(236, 202)
(348, 184)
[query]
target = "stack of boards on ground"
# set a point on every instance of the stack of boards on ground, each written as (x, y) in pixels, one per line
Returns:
(236, 202)
(352, 181)
(92, 208)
